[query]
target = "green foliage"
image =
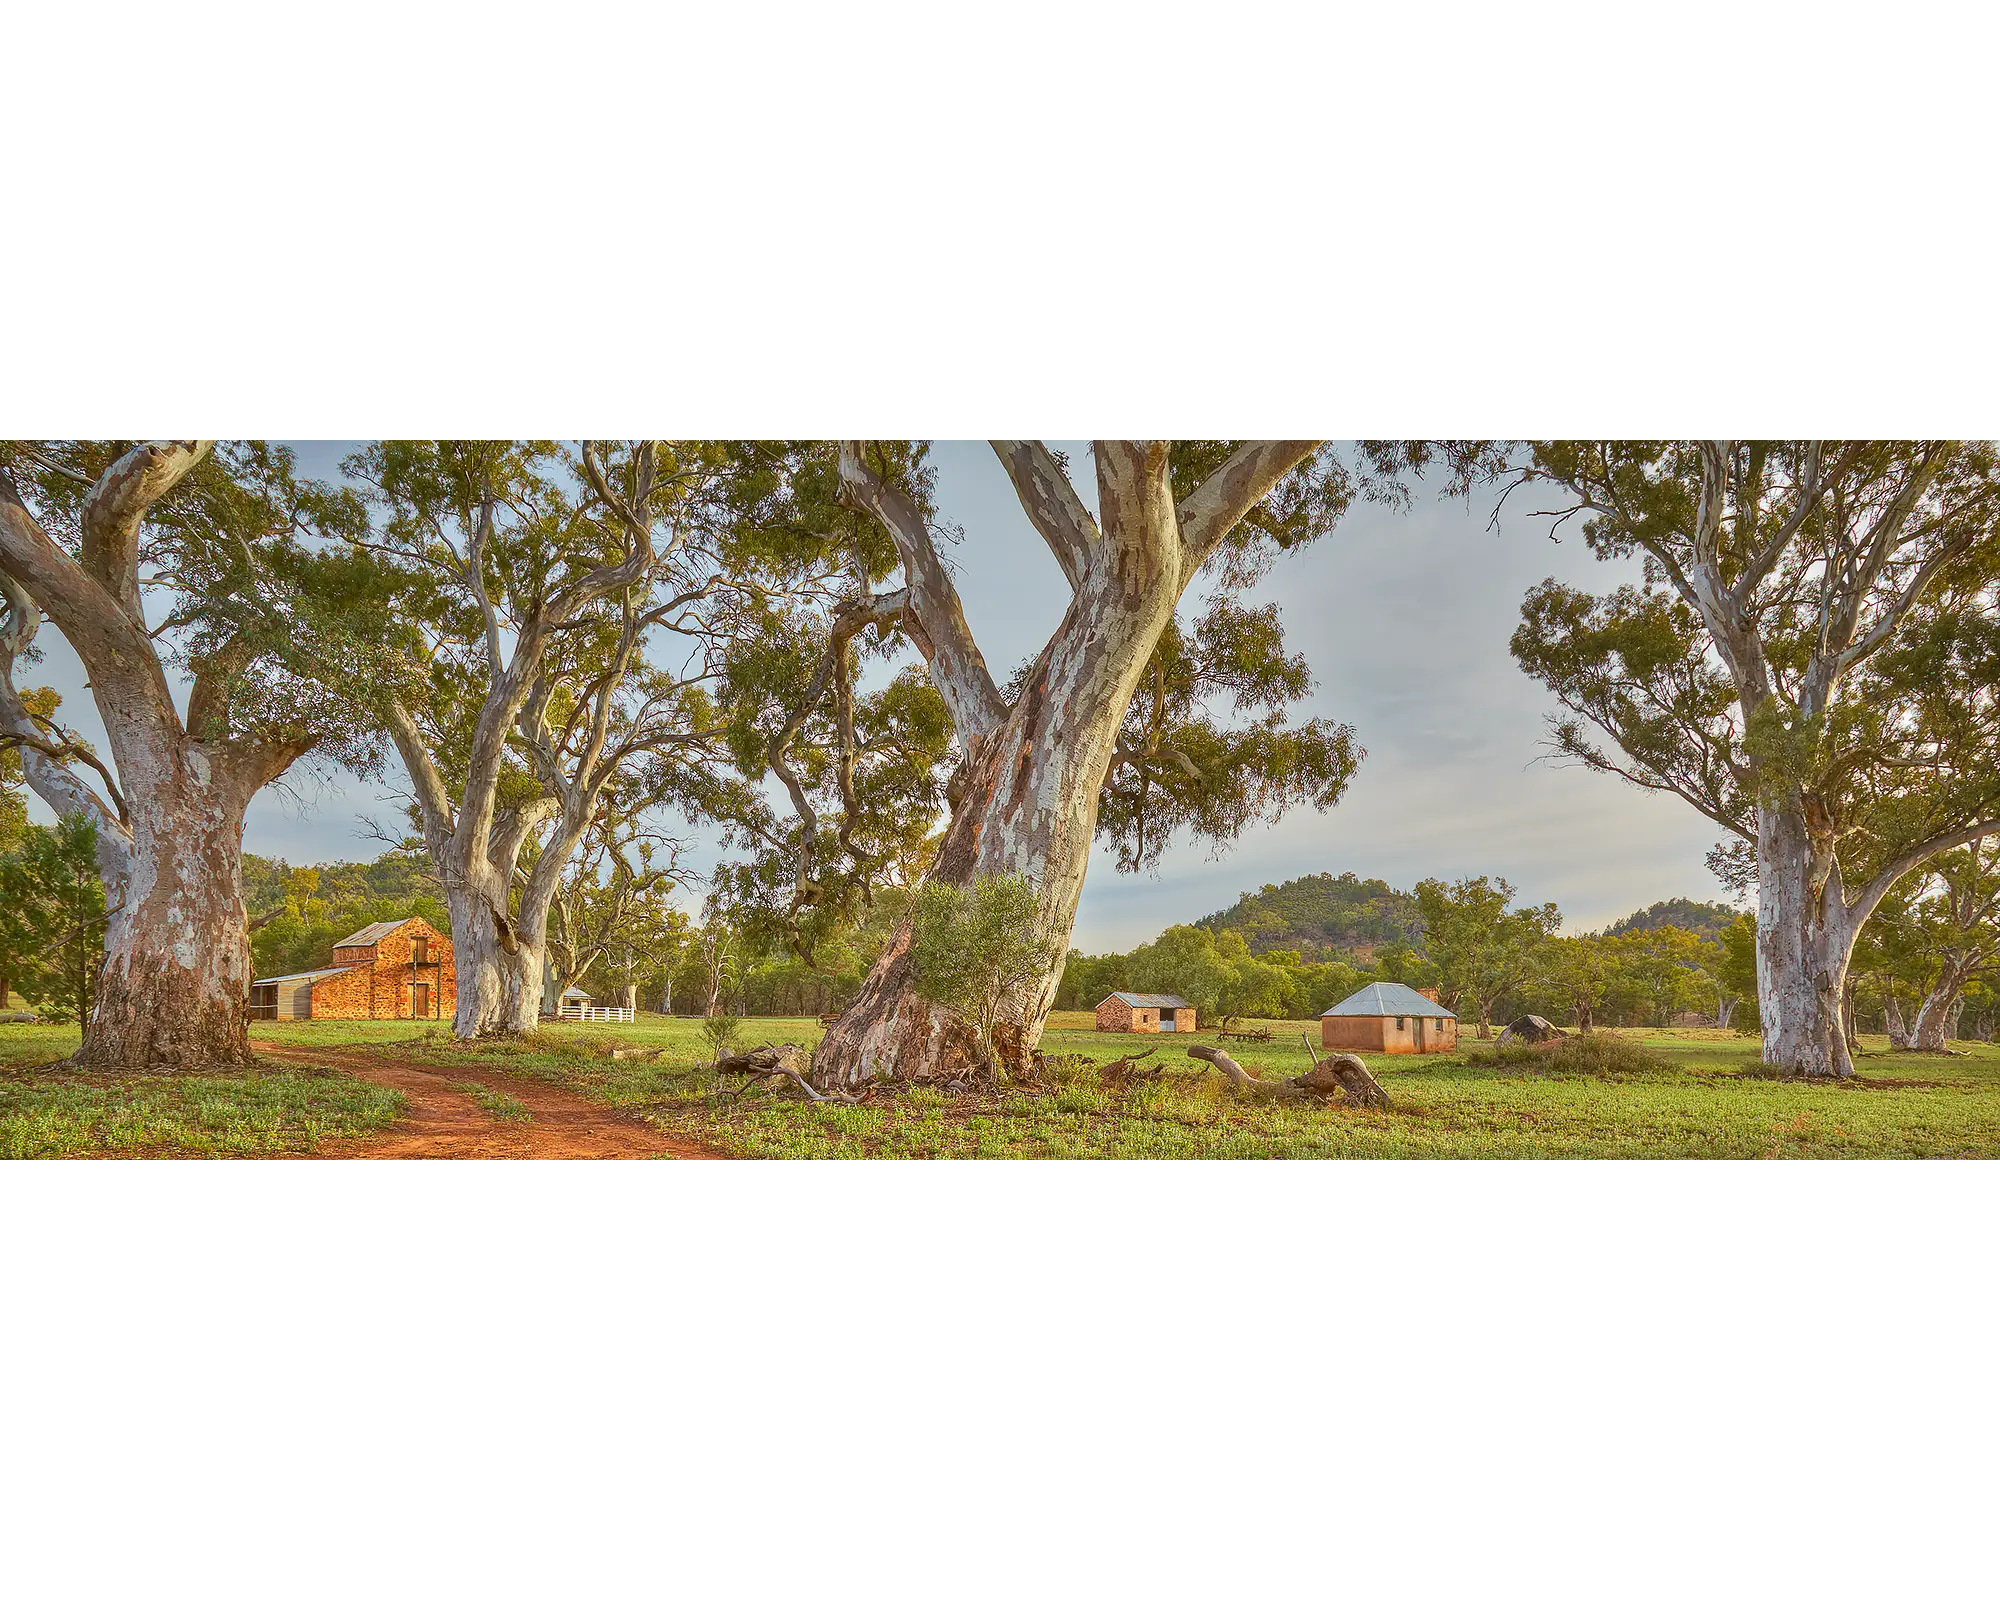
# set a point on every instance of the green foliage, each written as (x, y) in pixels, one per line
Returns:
(1206, 745)
(1480, 948)
(721, 1031)
(1850, 677)
(1706, 917)
(1184, 961)
(1321, 914)
(1595, 1055)
(310, 909)
(52, 918)
(1663, 971)
(972, 947)
(1737, 972)
(241, 592)
(1571, 978)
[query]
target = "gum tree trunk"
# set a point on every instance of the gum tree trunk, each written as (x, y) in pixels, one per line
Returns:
(1937, 1017)
(1025, 801)
(1805, 938)
(174, 991)
(499, 973)
(1893, 1024)
(474, 849)
(528, 960)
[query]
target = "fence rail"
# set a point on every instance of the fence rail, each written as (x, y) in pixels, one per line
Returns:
(576, 1013)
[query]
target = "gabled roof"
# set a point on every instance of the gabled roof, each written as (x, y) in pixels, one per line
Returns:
(574, 993)
(1386, 1000)
(1165, 1002)
(373, 934)
(316, 974)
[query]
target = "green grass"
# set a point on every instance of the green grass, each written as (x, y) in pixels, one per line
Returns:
(1693, 1094)
(500, 1107)
(1694, 1101)
(287, 1111)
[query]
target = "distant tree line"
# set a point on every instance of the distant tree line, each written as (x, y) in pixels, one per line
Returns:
(1488, 960)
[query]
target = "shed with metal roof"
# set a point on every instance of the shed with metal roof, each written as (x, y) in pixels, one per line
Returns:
(1389, 1019)
(1123, 1011)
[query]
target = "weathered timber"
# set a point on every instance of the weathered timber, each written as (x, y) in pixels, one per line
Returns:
(1343, 1073)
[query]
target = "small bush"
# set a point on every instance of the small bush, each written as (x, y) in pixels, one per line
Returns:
(720, 1032)
(1595, 1055)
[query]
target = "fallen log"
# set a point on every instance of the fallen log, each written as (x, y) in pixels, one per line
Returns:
(1125, 1070)
(1347, 1070)
(785, 1061)
(1343, 1073)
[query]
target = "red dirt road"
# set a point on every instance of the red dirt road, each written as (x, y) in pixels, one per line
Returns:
(444, 1123)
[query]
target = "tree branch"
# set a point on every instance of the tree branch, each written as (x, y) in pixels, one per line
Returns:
(117, 503)
(1232, 492)
(932, 615)
(1051, 502)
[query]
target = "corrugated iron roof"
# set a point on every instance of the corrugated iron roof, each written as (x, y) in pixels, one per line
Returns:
(374, 933)
(1165, 1002)
(1386, 1000)
(317, 972)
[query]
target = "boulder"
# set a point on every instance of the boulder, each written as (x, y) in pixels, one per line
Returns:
(1530, 1029)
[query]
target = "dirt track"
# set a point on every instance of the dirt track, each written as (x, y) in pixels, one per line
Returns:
(444, 1123)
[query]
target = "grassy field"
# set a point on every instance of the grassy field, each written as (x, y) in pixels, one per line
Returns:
(1695, 1100)
(281, 1112)
(1698, 1096)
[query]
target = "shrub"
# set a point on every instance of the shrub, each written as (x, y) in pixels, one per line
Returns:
(975, 947)
(721, 1032)
(1595, 1055)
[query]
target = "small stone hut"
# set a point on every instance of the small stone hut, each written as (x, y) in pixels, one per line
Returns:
(387, 970)
(1389, 1019)
(1120, 1012)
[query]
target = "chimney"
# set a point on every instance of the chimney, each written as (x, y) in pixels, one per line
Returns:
(1430, 995)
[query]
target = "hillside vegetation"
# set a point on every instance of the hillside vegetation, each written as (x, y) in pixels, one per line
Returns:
(1705, 917)
(1321, 915)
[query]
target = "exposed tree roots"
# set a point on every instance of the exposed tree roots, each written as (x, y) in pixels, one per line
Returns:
(783, 1062)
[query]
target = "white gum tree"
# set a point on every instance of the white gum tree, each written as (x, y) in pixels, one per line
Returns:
(526, 595)
(86, 532)
(1814, 668)
(1025, 796)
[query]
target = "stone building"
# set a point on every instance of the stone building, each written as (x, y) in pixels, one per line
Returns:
(387, 970)
(1389, 1019)
(1120, 1012)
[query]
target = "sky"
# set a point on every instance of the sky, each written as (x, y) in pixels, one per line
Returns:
(1404, 617)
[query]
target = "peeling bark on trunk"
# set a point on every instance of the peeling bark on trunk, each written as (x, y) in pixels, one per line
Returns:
(496, 983)
(1805, 938)
(1024, 801)
(174, 991)
(1893, 1023)
(173, 994)
(1025, 797)
(1937, 1017)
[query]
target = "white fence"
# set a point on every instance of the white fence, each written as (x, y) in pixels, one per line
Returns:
(577, 1011)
